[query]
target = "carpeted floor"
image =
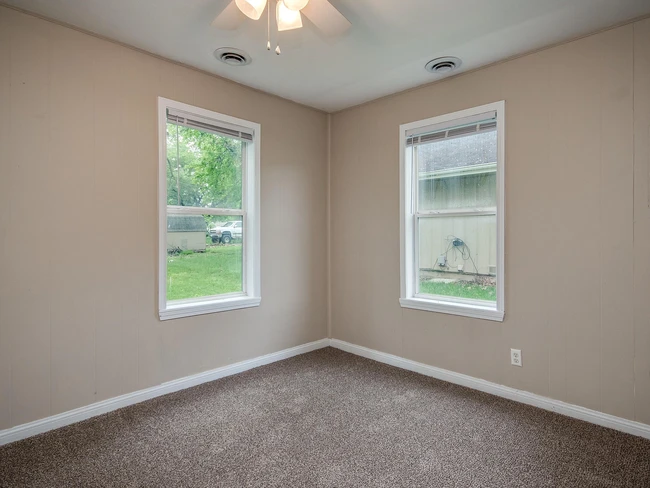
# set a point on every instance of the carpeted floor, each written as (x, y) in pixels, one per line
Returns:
(328, 419)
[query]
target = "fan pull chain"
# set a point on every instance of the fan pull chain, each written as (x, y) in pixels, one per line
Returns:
(268, 27)
(277, 48)
(268, 31)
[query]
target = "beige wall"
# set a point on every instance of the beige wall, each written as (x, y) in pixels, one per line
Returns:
(78, 164)
(577, 226)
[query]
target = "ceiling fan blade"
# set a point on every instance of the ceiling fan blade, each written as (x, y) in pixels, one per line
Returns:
(325, 16)
(230, 18)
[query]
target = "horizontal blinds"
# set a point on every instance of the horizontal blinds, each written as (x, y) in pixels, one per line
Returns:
(450, 130)
(208, 125)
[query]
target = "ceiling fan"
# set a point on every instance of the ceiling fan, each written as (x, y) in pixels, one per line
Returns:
(288, 15)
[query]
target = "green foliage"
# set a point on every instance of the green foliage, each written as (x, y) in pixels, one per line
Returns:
(461, 289)
(203, 169)
(216, 271)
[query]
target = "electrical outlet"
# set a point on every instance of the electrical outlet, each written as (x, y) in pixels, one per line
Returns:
(515, 357)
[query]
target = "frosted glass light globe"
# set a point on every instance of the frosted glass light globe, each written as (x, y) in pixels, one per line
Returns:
(296, 4)
(287, 19)
(251, 8)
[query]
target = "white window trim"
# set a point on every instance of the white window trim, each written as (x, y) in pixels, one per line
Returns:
(408, 256)
(251, 297)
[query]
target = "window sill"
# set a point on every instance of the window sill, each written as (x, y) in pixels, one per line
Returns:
(178, 311)
(464, 309)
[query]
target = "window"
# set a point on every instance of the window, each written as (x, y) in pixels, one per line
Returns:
(209, 240)
(452, 213)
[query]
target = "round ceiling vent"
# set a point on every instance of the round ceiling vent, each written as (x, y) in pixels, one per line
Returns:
(443, 65)
(232, 56)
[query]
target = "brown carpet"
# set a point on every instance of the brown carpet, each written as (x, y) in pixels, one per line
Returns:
(328, 419)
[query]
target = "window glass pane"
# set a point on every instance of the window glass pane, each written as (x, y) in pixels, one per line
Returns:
(457, 173)
(458, 256)
(204, 256)
(203, 169)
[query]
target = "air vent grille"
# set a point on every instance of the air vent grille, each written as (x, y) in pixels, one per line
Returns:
(232, 56)
(443, 65)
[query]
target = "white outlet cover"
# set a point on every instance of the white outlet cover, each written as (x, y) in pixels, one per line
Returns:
(515, 357)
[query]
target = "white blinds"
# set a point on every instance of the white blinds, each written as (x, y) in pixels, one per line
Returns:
(208, 125)
(450, 130)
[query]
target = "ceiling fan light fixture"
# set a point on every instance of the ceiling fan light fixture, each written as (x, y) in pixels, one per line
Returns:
(295, 4)
(251, 8)
(287, 19)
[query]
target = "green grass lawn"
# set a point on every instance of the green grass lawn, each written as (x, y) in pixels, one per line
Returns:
(198, 274)
(218, 270)
(461, 289)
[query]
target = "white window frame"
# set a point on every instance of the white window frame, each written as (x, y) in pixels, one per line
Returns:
(251, 294)
(409, 298)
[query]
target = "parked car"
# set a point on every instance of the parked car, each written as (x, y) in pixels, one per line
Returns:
(227, 232)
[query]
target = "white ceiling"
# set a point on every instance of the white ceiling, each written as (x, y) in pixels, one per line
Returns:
(384, 52)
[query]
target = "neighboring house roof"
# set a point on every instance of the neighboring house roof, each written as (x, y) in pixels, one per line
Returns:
(458, 153)
(186, 223)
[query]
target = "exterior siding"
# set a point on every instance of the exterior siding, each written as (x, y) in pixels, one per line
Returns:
(187, 241)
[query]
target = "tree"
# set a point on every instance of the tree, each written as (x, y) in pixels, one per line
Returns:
(203, 169)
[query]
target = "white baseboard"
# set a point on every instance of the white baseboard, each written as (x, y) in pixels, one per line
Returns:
(66, 418)
(586, 414)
